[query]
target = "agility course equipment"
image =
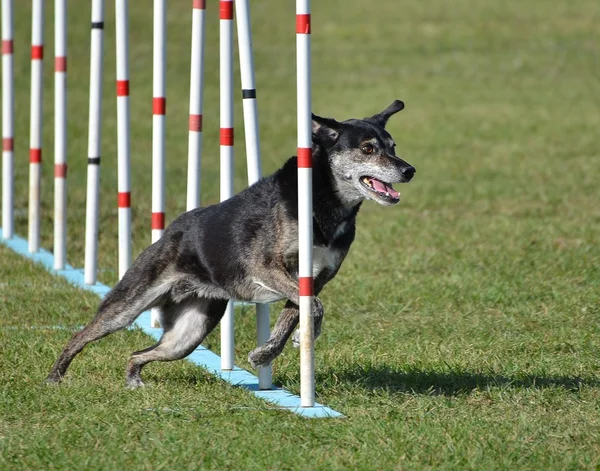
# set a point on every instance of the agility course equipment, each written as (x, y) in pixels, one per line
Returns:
(60, 135)
(226, 150)
(35, 127)
(8, 117)
(159, 109)
(305, 217)
(92, 211)
(88, 280)
(123, 145)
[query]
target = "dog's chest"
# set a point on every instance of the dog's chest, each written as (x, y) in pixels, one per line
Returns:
(329, 256)
(326, 258)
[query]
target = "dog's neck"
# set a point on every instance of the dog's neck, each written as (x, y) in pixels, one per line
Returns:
(330, 210)
(331, 215)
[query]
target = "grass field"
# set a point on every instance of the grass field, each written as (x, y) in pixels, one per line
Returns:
(463, 329)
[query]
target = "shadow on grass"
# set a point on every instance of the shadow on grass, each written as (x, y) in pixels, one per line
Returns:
(446, 383)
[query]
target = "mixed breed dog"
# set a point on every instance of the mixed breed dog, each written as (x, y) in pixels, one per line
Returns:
(246, 248)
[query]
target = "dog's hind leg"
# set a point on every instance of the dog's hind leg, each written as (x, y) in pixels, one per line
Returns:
(113, 314)
(116, 312)
(185, 324)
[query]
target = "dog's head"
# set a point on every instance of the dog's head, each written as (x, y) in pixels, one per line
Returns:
(362, 156)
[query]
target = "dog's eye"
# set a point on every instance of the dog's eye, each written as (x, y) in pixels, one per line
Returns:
(367, 148)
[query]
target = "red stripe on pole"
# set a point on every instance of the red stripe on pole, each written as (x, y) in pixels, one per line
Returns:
(159, 105)
(158, 220)
(60, 170)
(8, 144)
(226, 137)
(196, 122)
(60, 64)
(7, 46)
(226, 10)
(304, 157)
(305, 283)
(35, 156)
(303, 24)
(122, 87)
(37, 52)
(199, 4)
(124, 199)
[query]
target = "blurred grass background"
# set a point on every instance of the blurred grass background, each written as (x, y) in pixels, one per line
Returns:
(462, 331)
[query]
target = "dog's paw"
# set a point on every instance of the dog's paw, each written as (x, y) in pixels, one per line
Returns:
(296, 337)
(259, 358)
(52, 380)
(134, 383)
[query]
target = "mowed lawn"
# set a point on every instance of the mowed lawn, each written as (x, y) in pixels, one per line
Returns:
(463, 331)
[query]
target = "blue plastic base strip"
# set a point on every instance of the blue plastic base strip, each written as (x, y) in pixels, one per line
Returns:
(201, 356)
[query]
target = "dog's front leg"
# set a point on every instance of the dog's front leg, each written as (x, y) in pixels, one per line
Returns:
(320, 282)
(285, 325)
(279, 280)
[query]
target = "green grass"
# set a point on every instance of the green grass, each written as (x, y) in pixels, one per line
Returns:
(463, 329)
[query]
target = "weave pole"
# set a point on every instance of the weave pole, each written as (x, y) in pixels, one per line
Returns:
(159, 105)
(92, 212)
(35, 129)
(8, 117)
(226, 150)
(123, 167)
(60, 134)
(196, 97)
(253, 161)
(305, 218)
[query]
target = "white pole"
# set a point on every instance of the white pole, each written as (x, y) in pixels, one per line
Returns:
(7, 119)
(248, 90)
(265, 380)
(35, 137)
(158, 129)
(305, 230)
(124, 200)
(226, 141)
(92, 211)
(196, 96)
(60, 134)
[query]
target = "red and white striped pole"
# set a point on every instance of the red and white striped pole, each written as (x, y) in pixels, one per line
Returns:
(35, 136)
(60, 134)
(8, 116)
(265, 380)
(226, 147)
(123, 166)
(305, 217)
(159, 106)
(196, 96)
(92, 212)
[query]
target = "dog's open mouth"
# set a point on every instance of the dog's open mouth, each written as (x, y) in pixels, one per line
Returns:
(380, 189)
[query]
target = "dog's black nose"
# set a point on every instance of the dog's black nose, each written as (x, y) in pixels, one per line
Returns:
(408, 172)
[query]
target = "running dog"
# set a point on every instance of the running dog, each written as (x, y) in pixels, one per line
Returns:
(246, 248)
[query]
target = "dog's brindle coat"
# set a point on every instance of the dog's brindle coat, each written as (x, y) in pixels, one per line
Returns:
(246, 248)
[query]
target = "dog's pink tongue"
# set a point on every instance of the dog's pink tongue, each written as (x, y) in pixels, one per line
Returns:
(383, 188)
(393, 193)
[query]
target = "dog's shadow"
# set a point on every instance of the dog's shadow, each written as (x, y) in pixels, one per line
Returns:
(446, 383)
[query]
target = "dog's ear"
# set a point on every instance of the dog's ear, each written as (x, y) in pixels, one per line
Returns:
(324, 130)
(382, 118)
